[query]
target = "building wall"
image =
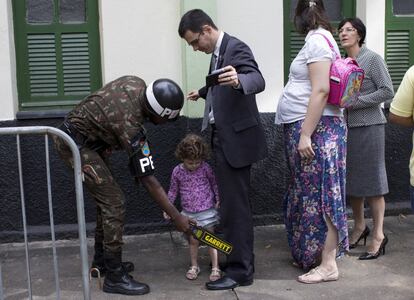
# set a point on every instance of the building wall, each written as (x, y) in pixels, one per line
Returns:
(8, 90)
(261, 27)
(140, 38)
(368, 12)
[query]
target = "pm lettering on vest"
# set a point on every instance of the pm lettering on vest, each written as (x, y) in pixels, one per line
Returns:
(146, 164)
(140, 160)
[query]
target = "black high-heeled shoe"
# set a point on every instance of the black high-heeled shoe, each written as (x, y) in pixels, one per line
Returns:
(363, 235)
(375, 255)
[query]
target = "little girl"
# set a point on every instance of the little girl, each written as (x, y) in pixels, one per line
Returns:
(195, 181)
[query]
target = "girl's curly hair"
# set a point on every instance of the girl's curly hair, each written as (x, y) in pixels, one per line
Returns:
(193, 147)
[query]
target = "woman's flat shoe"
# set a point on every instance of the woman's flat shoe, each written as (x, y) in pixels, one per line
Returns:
(375, 255)
(316, 275)
(363, 235)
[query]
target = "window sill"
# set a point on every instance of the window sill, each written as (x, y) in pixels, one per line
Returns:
(45, 114)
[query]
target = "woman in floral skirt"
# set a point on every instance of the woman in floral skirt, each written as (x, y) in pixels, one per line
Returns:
(315, 145)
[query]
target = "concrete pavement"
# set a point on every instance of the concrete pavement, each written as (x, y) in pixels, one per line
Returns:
(162, 262)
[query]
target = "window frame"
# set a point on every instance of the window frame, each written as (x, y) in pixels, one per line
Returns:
(23, 30)
(398, 56)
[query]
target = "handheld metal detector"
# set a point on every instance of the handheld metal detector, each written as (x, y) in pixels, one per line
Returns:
(210, 239)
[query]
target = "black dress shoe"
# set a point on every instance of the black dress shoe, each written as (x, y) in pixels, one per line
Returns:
(226, 283)
(363, 235)
(375, 255)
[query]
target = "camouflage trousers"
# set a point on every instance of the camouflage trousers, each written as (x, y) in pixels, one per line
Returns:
(101, 185)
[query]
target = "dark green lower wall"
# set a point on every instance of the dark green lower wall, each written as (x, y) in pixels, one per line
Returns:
(143, 214)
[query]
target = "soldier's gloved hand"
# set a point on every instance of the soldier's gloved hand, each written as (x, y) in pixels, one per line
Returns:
(182, 223)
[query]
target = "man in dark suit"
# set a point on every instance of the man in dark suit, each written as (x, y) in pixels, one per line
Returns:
(237, 136)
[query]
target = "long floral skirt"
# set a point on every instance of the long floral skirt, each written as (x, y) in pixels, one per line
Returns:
(316, 190)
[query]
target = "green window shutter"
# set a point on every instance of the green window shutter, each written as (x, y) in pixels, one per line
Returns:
(76, 64)
(397, 54)
(296, 43)
(58, 62)
(399, 40)
(42, 65)
(293, 41)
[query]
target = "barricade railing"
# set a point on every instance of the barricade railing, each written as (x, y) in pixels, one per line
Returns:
(79, 204)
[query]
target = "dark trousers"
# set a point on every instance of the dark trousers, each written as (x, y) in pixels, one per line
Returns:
(106, 192)
(235, 213)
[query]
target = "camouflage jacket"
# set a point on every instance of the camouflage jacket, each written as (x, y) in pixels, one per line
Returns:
(113, 114)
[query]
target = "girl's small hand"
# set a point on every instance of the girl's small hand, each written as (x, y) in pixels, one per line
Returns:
(305, 147)
(217, 205)
(166, 216)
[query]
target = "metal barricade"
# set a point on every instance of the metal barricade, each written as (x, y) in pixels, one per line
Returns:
(79, 203)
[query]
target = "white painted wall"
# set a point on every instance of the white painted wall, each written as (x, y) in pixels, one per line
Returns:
(140, 38)
(8, 92)
(361, 11)
(369, 11)
(260, 25)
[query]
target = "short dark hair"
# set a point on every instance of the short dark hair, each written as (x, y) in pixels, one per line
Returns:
(358, 25)
(194, 20)
(309, 15)
(192, 146)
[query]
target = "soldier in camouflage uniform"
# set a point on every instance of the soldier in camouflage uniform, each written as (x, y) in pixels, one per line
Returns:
(112, 118)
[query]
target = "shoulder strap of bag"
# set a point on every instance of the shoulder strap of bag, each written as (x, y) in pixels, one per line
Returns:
(330, 44)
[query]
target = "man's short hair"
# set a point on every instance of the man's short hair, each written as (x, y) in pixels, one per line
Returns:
(194, 20)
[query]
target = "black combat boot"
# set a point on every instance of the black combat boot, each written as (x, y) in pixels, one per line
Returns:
(117, 280)
(98, 262)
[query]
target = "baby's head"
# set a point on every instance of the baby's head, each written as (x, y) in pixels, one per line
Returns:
(192, 148)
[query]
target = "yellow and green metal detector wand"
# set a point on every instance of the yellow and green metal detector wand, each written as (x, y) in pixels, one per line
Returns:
(210, 239)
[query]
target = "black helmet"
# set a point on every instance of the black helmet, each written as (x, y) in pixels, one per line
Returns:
(165, 98)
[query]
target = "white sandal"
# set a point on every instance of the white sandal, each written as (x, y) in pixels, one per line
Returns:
(215, 274)
(316, 275)
(192, 273)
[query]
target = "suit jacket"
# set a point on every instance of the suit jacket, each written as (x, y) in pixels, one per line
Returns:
(236, 115)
